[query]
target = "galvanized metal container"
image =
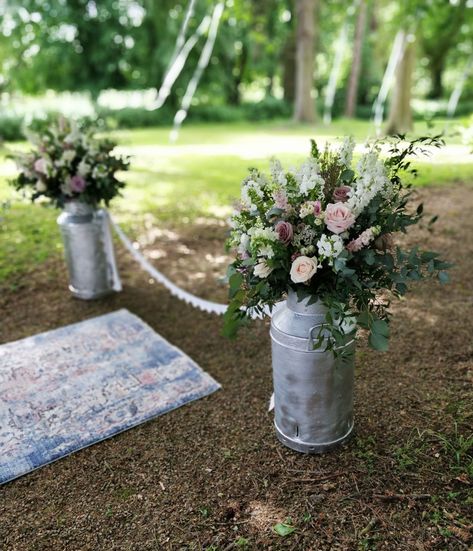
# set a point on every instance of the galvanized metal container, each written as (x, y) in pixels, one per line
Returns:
(89, 252)
(313, 390)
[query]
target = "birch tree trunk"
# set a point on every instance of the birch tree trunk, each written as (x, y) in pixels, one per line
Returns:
(305, 56)
(400, 113)
(352, 95)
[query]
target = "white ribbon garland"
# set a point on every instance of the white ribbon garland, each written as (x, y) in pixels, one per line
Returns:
(180, 293)
(189, 298)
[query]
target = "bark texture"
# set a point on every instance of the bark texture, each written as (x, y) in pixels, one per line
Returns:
(305, 57)
(352, 94)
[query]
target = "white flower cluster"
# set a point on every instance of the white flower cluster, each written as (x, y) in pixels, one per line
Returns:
(257, 232)
(277, 172)
(244, 244)
(330, 247)
(250, 190)
(345, 153)
(308, 177)
(372, 179)
(304, 236)
(306, 209)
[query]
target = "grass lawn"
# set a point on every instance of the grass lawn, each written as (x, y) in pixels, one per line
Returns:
(199, 175)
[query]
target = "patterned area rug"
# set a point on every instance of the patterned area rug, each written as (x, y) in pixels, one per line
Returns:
(66, 389)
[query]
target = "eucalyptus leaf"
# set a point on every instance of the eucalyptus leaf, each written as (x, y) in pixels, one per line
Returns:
(283, 529)
(378, 342)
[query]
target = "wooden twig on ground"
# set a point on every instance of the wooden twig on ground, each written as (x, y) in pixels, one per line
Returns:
(401, 497)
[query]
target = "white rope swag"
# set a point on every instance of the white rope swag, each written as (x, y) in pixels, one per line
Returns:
(182, 294)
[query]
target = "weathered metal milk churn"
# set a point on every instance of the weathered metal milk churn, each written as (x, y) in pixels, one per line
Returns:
(313, 389)
(89, 252)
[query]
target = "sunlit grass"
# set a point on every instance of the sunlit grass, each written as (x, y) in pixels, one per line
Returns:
(199, 175)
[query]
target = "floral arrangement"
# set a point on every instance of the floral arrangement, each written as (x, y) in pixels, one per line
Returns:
(326, 231)
(67, 162)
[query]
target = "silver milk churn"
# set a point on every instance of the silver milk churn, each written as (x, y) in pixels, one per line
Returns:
(313, 389)
(89, 252)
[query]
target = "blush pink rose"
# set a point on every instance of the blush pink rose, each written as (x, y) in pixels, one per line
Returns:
(338, 217)
(303, 268)
(284, 231)
(341, 194)
(41, 166)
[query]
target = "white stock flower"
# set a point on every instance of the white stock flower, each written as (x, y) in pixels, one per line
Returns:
(277, 172)
(372, 179)
(345, 153)
(263, 233)
(262, 270)
(249, 188)
(330, 247)
(266, 251)
(308, 177)
(244, 243)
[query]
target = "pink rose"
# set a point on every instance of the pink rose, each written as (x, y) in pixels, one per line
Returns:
(284, 231)
(341, 194)
(78, 183)
(303, 268)
(41, 166)
(338, 217)
(317, 207)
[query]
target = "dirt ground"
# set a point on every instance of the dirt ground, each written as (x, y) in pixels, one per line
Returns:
(211, 475)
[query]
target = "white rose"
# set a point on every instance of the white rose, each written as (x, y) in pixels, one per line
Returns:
(262, 269)
(303, 268)
(41, 186)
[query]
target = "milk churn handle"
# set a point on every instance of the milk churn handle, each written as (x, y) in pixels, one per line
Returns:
(310, 344)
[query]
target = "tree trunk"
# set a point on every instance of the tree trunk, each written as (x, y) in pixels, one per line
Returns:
(289, 70)
(234, 92)
(305, 56)
(436, 75)
(400, 114)
(352, 95)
